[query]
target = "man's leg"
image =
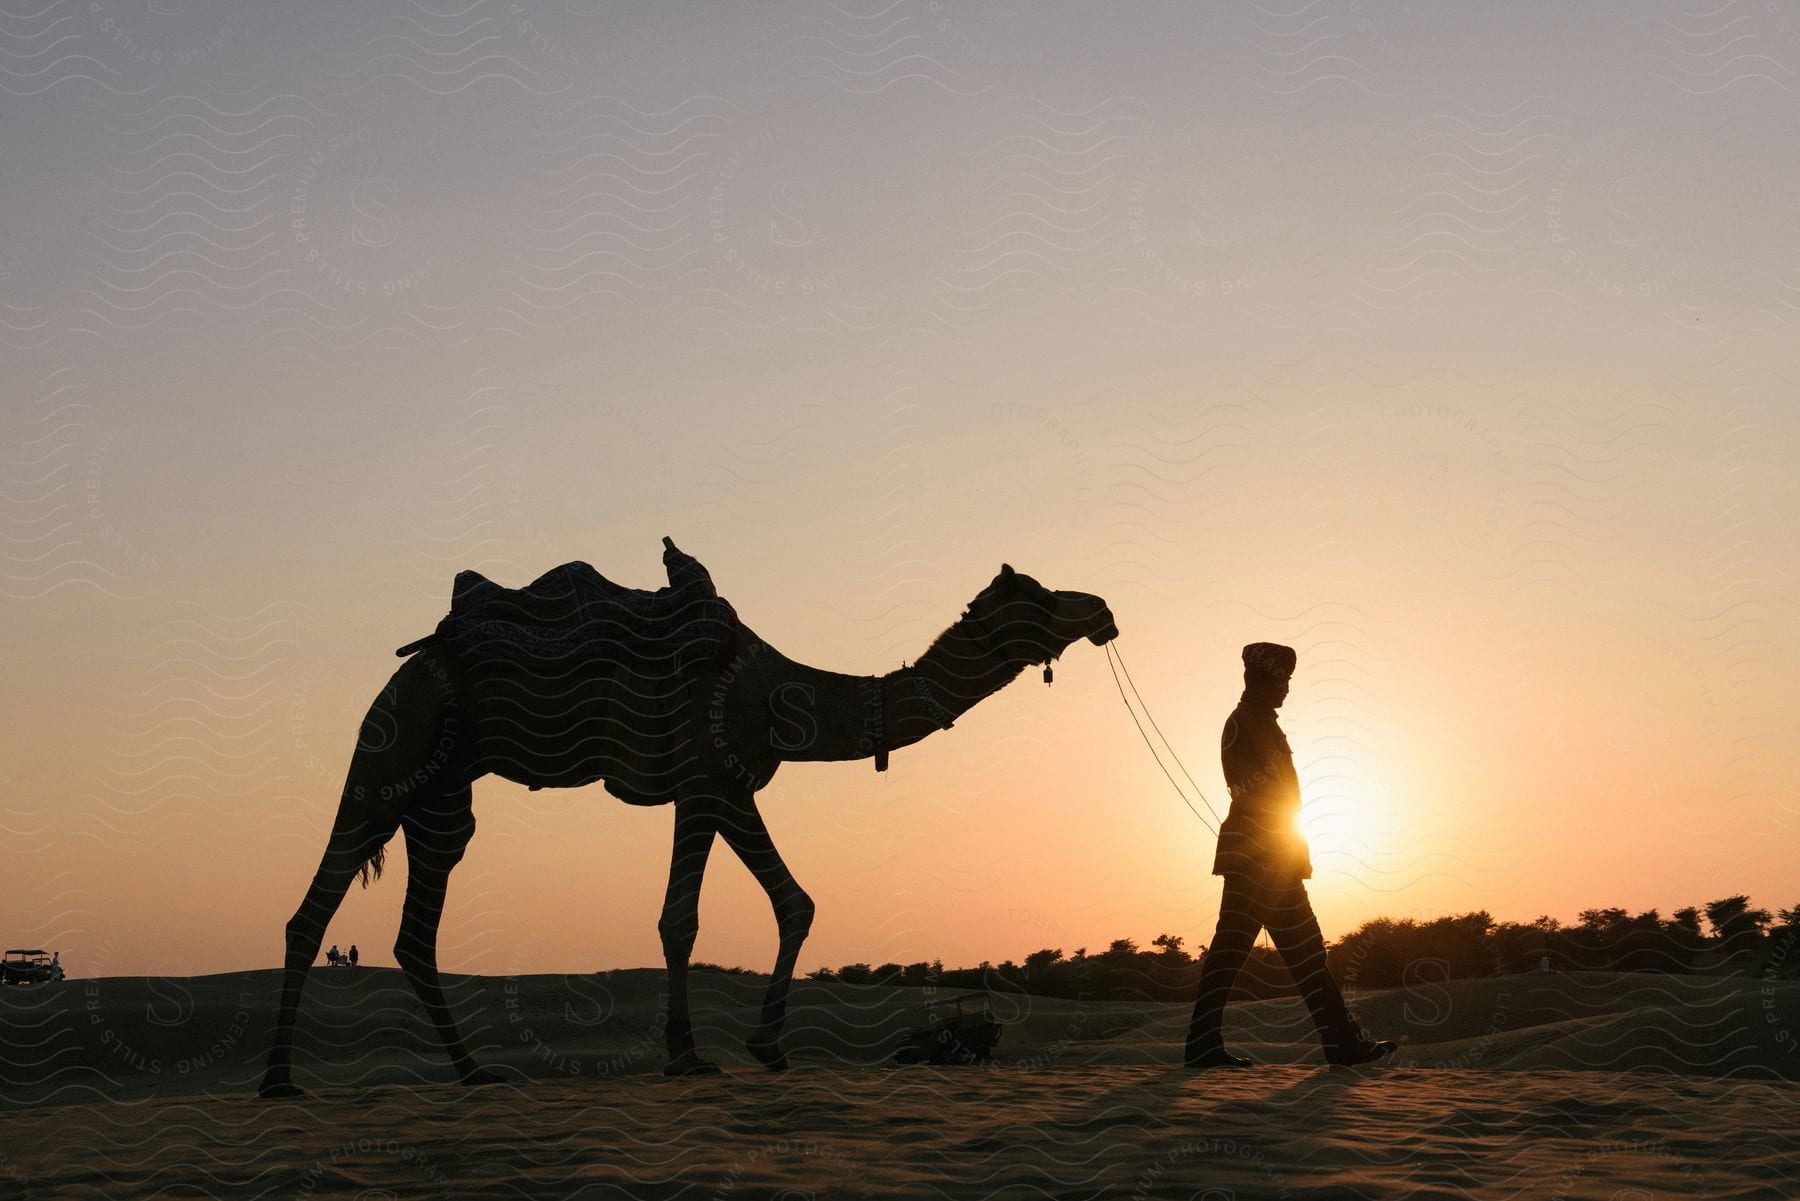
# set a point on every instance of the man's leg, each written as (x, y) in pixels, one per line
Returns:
(1289, 914)
(1225, 956)
(1291, 923)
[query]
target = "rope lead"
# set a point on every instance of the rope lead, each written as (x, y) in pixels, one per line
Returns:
(1115, 662)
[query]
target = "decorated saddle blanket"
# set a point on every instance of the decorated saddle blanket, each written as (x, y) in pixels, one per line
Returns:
(574, 678)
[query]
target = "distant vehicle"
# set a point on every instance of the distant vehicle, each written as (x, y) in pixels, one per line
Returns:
(959, 1038)
(26, 967)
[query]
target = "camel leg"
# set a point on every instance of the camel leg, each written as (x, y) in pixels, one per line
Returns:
(408, 734)
(696, 821)
(744, 832)
(344, 856)
(437, 833)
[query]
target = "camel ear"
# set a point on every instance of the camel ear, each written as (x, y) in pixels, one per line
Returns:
(1006, 572)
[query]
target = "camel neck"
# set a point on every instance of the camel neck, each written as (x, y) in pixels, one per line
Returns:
(828, 716)
(958, 672)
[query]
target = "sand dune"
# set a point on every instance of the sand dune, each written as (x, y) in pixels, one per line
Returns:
(1578, 1085)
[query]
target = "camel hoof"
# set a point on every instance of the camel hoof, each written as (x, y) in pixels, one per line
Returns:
(769, 1054)
(279, 1091)
(690, 1065)
(477, 1076)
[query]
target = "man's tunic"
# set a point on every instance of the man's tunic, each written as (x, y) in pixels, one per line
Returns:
(1261, 833)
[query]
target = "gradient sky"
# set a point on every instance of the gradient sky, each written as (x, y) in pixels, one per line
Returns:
(1453, 344)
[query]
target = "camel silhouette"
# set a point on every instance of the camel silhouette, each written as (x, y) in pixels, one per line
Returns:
(705, 737)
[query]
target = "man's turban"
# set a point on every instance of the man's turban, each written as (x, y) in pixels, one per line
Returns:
(1269, 659)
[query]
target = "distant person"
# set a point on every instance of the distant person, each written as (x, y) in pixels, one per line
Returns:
(331, 956)
(352, 954)
(56, 969)
(1264, 860)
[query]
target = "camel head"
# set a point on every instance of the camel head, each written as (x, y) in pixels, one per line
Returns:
(1025, 622)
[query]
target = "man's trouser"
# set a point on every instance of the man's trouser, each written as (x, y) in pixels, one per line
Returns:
(1247, 906)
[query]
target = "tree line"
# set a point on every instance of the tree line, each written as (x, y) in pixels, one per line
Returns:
(1391, 952)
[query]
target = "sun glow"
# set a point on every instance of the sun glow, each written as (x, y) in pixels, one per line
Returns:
(1343, 798)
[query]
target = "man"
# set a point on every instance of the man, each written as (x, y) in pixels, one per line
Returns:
(1264, 860)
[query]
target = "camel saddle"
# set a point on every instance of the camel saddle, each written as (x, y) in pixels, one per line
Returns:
(574, 678)
(572, 614)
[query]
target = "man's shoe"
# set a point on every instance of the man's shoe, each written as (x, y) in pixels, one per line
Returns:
(1217, 1057)
(1363, 1050)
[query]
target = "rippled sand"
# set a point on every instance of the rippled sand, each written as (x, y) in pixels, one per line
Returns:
(1592, 1085)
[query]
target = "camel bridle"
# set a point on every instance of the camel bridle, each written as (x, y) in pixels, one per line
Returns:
(978, 632)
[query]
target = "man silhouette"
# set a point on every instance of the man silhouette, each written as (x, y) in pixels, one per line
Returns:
(1264, 861)
(352, 954)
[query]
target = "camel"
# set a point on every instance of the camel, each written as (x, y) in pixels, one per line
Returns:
(707, 743)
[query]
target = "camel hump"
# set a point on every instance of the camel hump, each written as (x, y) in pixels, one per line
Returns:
(575, 608)
(558, 595)
(471, 590)
(572, 612)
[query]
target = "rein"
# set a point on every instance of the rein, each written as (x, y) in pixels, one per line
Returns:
(1116, 662)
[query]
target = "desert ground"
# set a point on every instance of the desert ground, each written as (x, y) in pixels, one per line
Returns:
(1621, 1087)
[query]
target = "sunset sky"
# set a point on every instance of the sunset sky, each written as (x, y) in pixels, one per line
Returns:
(1454, 345)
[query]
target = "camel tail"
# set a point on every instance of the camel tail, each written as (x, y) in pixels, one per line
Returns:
(393, 766)
(364, 824)
(371, 869)
(357, 835)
